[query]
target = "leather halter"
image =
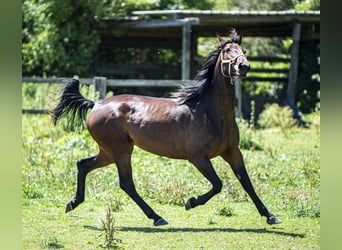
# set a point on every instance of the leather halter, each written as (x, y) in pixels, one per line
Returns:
(230, 61)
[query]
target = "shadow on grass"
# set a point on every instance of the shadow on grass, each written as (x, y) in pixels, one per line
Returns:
(194, 230)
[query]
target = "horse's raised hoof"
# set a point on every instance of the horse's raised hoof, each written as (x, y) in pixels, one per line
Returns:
(188, 204)
(273, 220)
(160, 222)
(69, 207)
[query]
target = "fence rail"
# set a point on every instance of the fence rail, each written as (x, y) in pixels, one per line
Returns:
(114, 82)
(101, 84)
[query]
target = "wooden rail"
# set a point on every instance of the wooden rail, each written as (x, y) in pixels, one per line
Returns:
(114, 82)
(101, 84)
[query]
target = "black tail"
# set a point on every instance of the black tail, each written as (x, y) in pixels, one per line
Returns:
(72, 104)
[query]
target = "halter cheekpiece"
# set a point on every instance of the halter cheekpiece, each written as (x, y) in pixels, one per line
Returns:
(230, 61)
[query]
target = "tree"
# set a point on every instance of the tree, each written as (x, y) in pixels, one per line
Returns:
(58, 36)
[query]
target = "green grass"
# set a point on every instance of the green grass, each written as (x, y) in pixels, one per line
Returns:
(283, 164)
(200, 228)
(285, 174)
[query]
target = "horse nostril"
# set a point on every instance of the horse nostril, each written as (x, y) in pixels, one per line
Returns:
(244, 67)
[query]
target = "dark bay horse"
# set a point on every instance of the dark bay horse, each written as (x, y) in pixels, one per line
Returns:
(196, 125)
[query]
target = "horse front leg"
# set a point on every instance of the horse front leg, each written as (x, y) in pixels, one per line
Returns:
(84, 166)
(234, 158)
(204, 165)
(126, 183)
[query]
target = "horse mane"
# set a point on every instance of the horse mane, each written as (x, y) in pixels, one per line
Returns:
(204, 77)
(203, 80)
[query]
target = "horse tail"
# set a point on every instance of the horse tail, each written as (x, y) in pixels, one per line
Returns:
(72, 104)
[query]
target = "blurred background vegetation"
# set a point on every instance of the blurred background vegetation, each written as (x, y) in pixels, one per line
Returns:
(53, 44)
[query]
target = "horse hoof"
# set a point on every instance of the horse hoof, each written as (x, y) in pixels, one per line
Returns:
(188, 204)
(273, 220)
(160, 222)
(68, 207)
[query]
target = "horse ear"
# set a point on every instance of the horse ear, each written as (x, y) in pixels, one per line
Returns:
(221, 41)
(239, 39)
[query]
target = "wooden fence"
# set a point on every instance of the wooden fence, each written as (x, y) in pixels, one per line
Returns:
(101, 84)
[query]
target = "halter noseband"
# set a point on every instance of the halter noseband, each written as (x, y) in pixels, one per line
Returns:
(223, 61)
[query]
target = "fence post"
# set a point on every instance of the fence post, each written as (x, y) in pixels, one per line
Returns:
(292, 82)
(238, 109)
(100, 85)
(186, 50)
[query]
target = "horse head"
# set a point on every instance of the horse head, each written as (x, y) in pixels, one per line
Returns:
(234, 63)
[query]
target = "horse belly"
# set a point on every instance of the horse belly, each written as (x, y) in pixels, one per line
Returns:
(161, 140)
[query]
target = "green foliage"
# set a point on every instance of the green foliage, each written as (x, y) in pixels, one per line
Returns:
(39, 96)
(226, 210)
(248, 138)
(265, 5)
(51, 243)
(308, 86)
(53, 42)
(276, 116)
(31, 191)
(307, 5)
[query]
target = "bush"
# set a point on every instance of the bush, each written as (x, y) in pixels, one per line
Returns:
(276, 116)
(247, 135)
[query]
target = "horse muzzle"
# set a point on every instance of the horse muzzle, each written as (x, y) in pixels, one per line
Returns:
(244, 68)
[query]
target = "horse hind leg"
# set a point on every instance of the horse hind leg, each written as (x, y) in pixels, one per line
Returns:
(85, 166)
(127, 184)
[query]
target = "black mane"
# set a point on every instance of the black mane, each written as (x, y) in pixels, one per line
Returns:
(204, 78)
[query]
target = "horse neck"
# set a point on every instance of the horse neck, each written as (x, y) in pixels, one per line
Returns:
(222, 94)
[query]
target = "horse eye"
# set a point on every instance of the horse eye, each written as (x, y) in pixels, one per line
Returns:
(227, 50)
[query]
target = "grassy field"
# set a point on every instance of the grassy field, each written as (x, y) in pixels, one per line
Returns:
(285, 173)
(283, 163)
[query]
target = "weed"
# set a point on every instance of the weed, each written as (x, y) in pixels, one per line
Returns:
(31, 191)
(109, 228)
(301, 204)
(247, 135)
(116, 204)
(172, 193)
(226, 210)
(252, 116)
(211, 221)
(51, 243)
